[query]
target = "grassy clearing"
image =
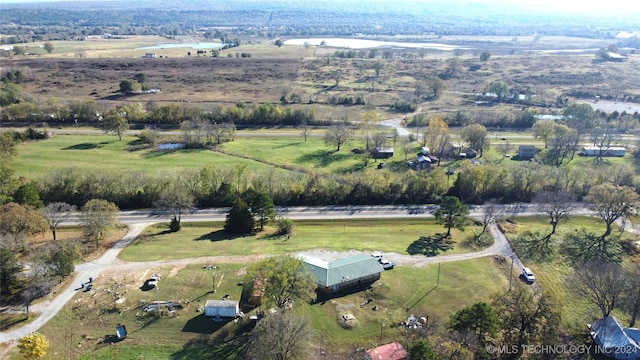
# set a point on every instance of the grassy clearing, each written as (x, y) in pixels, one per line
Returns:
(101, 153)
(210, 239)
(85, 328)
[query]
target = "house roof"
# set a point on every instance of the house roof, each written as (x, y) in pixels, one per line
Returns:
(221, 303)
(610, 335)
(392, 351)
(342, 270)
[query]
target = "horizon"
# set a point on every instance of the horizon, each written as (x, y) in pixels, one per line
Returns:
(592, 7)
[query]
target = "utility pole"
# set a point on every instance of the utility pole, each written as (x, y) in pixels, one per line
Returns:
(511, 273)
(438, 280)
(380, 338)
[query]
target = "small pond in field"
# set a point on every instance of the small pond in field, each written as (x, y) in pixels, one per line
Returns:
(368, 44)
(171, 146)
(199, 45)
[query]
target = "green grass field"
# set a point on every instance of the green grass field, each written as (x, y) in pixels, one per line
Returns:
(210, 239)
(99, 153)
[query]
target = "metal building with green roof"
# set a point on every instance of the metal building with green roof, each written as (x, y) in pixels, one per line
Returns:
(343, 273)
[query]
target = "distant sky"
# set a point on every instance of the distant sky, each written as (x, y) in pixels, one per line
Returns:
(623, 7)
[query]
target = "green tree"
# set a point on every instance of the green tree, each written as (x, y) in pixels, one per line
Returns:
(141, 78)
(96, 216)
(10, 270)
(421, 350)
(499, 89)
(452, 213)
(285, 278)
(115, 122)
(544, 129)
(127, 86)
(485, 56)
(9, 94)
(378, 66)
(61, 261)
(261, 206)
(17, 222)
(33, 346)
(435, 86)
(562, 143)
(239, 219)
(48, 47)
(479, 320)
(580, 117)
(27, 194)
(280, 336)
(476, 136)
(278, 43)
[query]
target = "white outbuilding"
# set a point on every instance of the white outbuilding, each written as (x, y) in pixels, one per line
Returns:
(221, 308)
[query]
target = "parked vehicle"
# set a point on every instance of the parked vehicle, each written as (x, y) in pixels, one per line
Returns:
(387, 265)
(527, 274)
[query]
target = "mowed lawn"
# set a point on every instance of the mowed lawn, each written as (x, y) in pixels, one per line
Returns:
(85, 328)
(99, 153)
(210, 239)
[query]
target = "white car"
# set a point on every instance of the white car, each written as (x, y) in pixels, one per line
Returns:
(528, 275)
(387, 265)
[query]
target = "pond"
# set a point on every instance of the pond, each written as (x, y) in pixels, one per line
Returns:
(170, 146)
(611, 106)
(198, 46)
(368, 44)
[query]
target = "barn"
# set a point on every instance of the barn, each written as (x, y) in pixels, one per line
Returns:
(345, 273)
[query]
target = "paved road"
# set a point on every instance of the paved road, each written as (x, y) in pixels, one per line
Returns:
(138, 220)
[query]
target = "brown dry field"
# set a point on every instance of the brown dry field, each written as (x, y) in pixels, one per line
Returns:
(309, 73)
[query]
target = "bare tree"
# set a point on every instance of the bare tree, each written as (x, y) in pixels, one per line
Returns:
(282, 336)
(504, 148)
(337, 135)
(601, 284)
(55, 213)
(306, 130)
(527, 318)
(611, 202)
(631, 298)
(557, 205)
(96, 216)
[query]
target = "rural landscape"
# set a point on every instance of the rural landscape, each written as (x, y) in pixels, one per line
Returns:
(324, 181)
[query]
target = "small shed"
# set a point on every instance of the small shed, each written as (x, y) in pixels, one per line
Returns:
(221, 308)
(526, 152)
(383, 152)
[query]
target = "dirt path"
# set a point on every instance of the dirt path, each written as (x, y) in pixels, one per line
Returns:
(109, 263)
